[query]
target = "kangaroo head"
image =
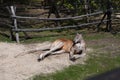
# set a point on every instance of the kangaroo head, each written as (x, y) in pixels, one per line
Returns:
(78, 38)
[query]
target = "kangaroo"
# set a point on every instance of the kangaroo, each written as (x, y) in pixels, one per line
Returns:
(76, 48)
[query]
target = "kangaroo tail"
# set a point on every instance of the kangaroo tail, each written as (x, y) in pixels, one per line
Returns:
(40, 48)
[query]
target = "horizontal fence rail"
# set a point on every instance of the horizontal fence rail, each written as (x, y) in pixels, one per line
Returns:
(64, 27)
(57, 19)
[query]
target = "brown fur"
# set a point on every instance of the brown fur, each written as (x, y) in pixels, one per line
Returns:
(67, 44)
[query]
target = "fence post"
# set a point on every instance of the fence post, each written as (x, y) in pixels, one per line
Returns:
(11, 32)
(109, 13)
(13, 10)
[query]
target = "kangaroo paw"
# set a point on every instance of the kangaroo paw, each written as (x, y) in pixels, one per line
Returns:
(39, 59)
(72, 59)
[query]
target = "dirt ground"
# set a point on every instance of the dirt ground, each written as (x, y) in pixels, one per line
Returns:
(17, 64)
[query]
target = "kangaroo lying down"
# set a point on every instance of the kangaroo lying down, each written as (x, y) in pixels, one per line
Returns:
(75, 48)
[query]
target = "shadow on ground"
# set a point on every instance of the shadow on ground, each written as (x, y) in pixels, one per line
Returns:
(110, 75)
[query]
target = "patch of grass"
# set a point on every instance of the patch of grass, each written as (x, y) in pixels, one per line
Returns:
(96, 36)
(4, 39)
(97, 46)
(40, 36)
(55, 34)
(48, 38)
(117, 36)
(94, 65)
(52, 35)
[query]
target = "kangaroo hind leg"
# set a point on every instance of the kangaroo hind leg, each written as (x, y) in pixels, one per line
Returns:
(58, 52)
(52, 49)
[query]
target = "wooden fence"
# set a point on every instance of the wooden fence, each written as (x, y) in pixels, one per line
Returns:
(12, 11)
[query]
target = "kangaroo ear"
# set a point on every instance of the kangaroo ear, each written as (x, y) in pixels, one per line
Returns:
(79, 34)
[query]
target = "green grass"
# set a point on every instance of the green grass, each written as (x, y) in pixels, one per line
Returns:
(4, 39)
(40, 36)
(52, 35)
(95, 36)
(94, 65)
(47, 38)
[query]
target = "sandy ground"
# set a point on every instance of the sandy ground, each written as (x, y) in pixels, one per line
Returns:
(16, 64)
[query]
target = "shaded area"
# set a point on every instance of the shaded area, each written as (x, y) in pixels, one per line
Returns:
(110, 75)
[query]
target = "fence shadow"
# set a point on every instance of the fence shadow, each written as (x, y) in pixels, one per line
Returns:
(110, 75)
